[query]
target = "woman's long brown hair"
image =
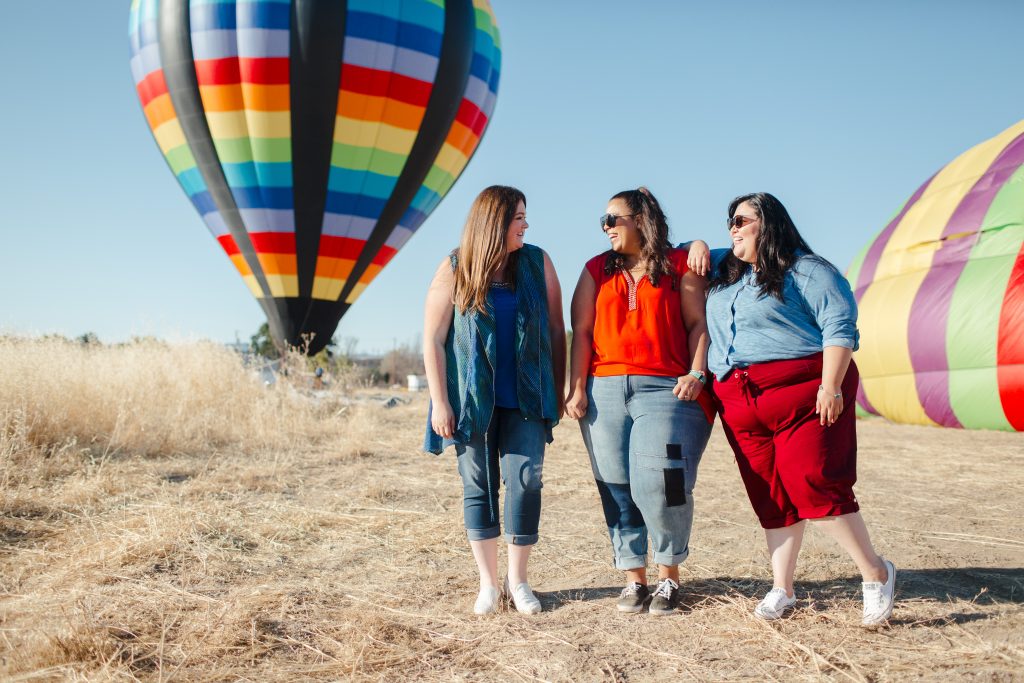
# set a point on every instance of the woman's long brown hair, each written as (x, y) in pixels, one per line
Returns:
(483, 249)
(654, 243)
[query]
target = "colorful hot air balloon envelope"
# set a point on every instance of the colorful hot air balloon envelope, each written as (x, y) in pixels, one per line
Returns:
(314, 137)
(941, 296)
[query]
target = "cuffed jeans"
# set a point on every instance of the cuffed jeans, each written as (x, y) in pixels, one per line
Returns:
(514, 447)
(645, 445)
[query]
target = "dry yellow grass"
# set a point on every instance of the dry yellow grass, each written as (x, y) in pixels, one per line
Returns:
(166, 517)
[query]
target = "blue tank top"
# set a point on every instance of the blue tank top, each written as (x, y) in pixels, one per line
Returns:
(503, 299)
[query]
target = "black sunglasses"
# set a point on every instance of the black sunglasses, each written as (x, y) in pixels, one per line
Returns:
(610, 218)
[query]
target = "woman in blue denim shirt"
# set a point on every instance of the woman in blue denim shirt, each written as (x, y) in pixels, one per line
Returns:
(494, 351)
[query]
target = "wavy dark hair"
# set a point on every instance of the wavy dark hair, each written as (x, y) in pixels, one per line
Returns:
(778, 242)
(654, 243)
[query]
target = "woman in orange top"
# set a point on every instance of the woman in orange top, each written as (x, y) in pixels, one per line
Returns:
(639, 355)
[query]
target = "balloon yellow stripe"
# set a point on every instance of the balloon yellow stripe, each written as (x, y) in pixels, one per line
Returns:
(450, 159)
(327, 289)
(283, 285)
(373, 135)
(354, 294)
(901, 270)
(235, 124)
(169, 136)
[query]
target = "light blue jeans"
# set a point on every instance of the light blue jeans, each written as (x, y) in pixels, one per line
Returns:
(514, 448)
(644, 445)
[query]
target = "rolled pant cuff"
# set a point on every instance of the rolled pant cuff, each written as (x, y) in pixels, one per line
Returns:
(483, 534)
(780, 522)
(830, 510)
(521, 539)
(630, 562)
(670, 560)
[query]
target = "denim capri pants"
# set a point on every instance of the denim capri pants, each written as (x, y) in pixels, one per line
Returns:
(645, 445)
(513, 447)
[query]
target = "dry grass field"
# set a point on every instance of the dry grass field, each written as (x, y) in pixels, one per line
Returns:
(163, 516)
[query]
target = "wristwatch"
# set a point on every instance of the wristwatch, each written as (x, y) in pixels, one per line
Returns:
(699, 374)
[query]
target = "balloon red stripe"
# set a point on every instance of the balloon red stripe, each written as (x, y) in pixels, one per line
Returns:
(273, 242)
(228, 243)
(378, 83)
(332, 246)
(1009, 349)
(153, 85)
(231, 70)
(471, 117)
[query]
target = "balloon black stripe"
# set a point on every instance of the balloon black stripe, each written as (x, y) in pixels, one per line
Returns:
(175, 36)
(316, 48)
(442, 107)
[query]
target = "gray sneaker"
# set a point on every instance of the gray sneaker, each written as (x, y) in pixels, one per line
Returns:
(666, 598)
(633, 597)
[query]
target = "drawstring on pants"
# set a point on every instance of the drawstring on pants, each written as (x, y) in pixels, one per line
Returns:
(746, 386)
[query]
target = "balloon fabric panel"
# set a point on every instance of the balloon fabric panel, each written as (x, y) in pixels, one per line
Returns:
(314, 136)
(930, 290)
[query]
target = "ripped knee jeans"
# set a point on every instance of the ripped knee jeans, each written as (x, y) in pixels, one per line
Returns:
(512, 448)
(645, 446)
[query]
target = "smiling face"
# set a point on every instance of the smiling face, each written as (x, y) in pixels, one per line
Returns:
(515, 235)
(625, 236)
(744, 239)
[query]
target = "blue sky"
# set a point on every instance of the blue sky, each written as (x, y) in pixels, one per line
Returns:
(840, 109)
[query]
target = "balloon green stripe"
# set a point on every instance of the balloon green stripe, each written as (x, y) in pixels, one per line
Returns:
(367, 159)
(264, 150)
(974, 312)
(180, 159)
(855, 267)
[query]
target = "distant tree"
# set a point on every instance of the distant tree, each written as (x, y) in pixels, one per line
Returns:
(88, 339)
(262, 344)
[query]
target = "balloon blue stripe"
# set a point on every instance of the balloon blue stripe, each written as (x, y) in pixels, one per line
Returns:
(203, 202)
(426, 14)
(385, 30)
(192, 181)
(259, 174)
(262, 198)
(263, 15)
(347, 203)
(373, 54)
(352, 182)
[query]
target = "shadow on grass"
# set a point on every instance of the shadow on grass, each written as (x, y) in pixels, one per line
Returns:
(979, 585)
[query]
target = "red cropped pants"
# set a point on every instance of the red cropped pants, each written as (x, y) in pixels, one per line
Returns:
(792, 467)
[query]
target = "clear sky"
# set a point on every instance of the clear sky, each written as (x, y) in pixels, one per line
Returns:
(841, 109)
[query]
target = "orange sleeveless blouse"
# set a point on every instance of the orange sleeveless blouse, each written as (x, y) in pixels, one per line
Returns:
(638, 328)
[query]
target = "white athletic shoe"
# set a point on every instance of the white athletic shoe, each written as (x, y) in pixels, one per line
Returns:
(523, 598)
(775, 604)
(487, 601)
(878, 597)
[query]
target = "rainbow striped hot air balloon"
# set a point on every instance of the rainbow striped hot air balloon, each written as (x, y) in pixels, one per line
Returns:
(314, 136)
(941, 295)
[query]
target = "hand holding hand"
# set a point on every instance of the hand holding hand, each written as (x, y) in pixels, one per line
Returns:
(687, 388)
(576, 405)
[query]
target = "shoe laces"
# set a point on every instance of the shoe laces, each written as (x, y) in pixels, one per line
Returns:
(631, 589)
(873, 596)
(665, 588)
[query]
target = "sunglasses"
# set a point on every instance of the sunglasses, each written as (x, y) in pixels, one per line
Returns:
(610, 218)
(739, 221)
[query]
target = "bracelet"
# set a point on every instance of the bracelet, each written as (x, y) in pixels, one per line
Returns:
(699, 374)
(821, 387)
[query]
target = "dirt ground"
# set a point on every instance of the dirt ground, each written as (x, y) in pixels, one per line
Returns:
(349, 562)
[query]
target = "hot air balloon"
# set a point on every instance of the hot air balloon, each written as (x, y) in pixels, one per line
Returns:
(314, 137)
(941, 297)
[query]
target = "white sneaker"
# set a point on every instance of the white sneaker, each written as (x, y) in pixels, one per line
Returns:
(487, 601)
(775, 604)
(878, 597)
(522, 597)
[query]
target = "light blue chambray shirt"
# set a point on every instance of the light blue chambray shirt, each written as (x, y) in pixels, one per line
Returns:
(817, 310)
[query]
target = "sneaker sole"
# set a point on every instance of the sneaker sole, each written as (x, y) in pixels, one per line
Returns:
(630, 610)
(662, 612)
